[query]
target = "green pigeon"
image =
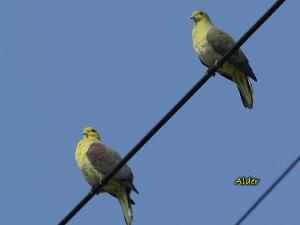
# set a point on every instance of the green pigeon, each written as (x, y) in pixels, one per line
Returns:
(210, 44)
(95, 160)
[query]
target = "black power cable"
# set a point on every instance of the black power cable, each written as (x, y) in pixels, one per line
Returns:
(168, 116)
(276, 182)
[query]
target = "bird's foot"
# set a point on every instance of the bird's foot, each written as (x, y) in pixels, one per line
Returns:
(94, 189)
(217, 63)
(210, 72)
(101, 184)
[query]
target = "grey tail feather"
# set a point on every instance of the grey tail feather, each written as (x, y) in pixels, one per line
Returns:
(125, 202)
(245, 91)
(130, 200)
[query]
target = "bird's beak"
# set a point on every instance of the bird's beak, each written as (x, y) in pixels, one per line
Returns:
(85, 134)
(191, 17)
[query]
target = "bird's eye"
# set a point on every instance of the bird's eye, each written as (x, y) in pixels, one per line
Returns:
(93, 130)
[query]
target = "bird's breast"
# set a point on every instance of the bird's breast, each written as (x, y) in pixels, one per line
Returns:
(206, 53)
(202, 47)
(87, 169)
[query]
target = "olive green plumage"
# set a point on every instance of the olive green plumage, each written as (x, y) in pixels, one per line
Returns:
(211, 43)
(95, 160)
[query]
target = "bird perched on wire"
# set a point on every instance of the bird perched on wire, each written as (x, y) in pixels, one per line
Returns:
(211, 43)
(95, 160)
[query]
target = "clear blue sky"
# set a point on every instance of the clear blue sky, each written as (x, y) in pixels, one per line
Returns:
(119, 67)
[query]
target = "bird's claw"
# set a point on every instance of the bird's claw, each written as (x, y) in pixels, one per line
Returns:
(209, 72)
(93, 189)
(217, 63)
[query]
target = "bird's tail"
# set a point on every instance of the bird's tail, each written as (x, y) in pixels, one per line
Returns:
(245, 89)
(125, 203)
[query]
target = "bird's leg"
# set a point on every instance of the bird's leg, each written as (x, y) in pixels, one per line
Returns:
(93, 189)
(217, 63)
(101, 183)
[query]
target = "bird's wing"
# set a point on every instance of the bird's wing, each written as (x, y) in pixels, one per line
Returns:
(104, 159)
(222, 43)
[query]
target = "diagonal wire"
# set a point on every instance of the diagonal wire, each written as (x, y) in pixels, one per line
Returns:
(210, 72)
(268, 191)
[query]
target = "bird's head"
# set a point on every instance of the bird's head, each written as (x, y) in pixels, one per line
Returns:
(198, 16)
(90, 132)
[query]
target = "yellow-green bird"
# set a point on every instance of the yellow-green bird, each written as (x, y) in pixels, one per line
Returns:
(211, 43)
(95, 160)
